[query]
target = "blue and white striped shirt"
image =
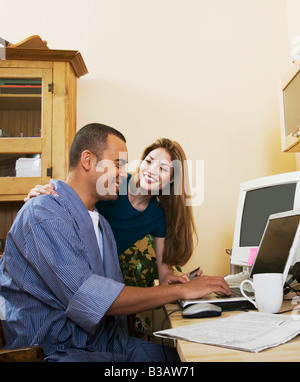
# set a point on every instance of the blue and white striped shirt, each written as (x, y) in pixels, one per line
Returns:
(56, 287)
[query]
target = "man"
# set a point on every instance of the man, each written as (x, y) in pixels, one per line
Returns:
(60, 275)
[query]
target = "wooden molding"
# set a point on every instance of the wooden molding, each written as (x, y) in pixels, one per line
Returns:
(32, 42)
(35, 49)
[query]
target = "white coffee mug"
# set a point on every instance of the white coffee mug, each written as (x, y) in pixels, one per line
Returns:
(268, 291)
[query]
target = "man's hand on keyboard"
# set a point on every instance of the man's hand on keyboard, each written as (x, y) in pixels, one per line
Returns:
(204, 285)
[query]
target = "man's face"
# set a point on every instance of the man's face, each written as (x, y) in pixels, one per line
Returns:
(111, 169)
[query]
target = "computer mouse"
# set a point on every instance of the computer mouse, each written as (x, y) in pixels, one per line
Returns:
(201, 310)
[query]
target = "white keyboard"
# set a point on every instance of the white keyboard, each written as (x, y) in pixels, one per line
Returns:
(235, 280)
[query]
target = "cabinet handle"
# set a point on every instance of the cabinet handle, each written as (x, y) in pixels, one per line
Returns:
(49, 172)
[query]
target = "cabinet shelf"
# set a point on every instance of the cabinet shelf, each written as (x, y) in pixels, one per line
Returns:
(20, 187)
(21, 145)
(2, 95)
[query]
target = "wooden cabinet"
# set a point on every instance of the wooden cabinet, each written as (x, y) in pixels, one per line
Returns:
(290, 109)
(37, 119)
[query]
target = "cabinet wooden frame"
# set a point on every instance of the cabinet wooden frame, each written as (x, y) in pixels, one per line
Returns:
(59, 71)
(290, 140)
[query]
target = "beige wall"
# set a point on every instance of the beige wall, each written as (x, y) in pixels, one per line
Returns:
(205, 73)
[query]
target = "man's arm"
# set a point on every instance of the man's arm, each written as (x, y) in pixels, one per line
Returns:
(133, 299)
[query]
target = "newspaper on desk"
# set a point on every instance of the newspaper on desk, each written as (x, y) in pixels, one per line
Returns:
(251, 331)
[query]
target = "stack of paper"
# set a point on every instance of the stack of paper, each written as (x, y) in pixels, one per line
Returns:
(28, 167)
(251, 331)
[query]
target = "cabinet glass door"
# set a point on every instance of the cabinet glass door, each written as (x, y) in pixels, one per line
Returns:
(25, 130)
(20, 107)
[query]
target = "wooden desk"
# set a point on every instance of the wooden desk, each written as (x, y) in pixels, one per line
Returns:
(194, 352)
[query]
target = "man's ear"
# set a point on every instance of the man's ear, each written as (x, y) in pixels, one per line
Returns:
(86, 159)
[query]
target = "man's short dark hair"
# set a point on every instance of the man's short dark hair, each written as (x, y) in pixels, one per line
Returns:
(91, 137)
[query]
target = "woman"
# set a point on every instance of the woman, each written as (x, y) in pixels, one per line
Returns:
(154, 202)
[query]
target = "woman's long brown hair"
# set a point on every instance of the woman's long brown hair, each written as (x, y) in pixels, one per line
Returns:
(181, 230)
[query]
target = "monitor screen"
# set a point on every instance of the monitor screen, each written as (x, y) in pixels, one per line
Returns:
(275, 247)
(259, 205)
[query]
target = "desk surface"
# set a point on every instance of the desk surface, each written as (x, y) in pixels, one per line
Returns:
(194, 352)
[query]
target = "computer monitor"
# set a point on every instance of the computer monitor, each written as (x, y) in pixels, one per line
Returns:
(258, 199)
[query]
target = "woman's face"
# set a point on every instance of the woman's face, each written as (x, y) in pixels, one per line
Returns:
(156, 171)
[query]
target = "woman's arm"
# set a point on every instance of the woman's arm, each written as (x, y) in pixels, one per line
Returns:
(165, 271)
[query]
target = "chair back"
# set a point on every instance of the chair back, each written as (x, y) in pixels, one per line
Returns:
(28, 354)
